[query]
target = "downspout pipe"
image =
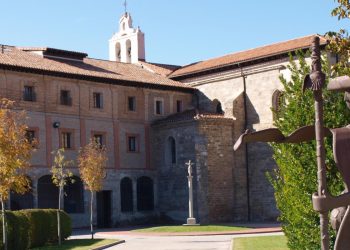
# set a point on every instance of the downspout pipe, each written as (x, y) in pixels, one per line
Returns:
(246, 145)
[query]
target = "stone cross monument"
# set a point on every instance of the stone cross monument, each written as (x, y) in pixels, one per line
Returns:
(190, 220)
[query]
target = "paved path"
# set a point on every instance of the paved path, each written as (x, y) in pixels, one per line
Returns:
(218, 242)
(213, 242)
(143, 241)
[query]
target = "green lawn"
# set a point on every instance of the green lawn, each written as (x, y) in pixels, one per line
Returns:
(181, 229)
(81, 244)
(261, 243)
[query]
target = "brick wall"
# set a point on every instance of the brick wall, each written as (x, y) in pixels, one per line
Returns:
(215, 158)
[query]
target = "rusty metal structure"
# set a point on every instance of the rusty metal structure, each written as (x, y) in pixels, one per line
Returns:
(323, 202)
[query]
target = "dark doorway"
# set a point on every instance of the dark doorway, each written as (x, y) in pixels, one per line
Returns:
(126, 199)
(47, 193)
(145, 196)
(22, 201)
(74, 196)
(104, 209)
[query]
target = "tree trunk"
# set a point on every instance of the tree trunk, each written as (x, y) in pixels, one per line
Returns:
(4, 235)
(91, 217)
(59, 216)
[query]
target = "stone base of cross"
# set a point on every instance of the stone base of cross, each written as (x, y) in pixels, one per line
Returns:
(191, 222)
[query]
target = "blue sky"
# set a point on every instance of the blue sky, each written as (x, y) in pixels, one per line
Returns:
(177, 31)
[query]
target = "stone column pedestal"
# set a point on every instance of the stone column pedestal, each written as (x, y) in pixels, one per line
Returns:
(191, 221)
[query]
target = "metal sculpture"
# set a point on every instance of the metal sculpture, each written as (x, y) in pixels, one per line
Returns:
(323, 202)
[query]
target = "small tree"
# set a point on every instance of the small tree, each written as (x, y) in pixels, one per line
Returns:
(295, 180)
(15, 153)
(339, 42)
(92, 162)
(61, 177)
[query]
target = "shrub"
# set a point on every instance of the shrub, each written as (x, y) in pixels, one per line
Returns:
(296, 177)
(43, 226)
(17, 231)
(34, 228)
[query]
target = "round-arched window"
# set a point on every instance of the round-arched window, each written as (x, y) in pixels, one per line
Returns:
(126, 196)
(47, 193)
(128, 51)
(145, 194)
(218, 107)
(277, 98)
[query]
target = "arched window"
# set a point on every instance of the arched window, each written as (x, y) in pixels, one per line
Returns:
(126, 198)
(47, 193)
(145, 195)
(128, 51)
(172, 149)
(277, 98)
(118, 52)
(218, 107)
(74, 196)
(22, 201)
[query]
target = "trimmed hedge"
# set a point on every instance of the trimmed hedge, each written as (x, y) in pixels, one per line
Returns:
(17, 231)
(43, 226)
(34, 228)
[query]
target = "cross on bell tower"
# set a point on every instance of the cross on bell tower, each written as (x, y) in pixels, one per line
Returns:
(125, 6)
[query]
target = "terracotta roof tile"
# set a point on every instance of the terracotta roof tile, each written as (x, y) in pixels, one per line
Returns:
(189, 115)
(161, 69)
(53, 51)
(88, 69)
(248, 55)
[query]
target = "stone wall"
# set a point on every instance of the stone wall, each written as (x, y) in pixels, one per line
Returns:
(246, 96)
(207, 143)
(172, 180)
(111, 183)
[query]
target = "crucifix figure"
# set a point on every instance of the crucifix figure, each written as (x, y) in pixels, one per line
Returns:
(189, 167)
(190, 220)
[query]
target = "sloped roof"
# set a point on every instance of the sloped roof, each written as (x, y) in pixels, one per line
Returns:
(191, 115)
(161, 69)
(247, 55)
(90, 69)
(53, 51)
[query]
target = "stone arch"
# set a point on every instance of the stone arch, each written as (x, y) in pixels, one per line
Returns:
(217, 106)
(47, 193)
(128, 50)
(170, 150)
(74, 196)
(145, 194)
(22, 201)
(126, 195)
(118, 52)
